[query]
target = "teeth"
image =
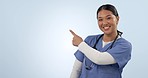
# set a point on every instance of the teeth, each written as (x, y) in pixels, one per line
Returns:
(106, 27)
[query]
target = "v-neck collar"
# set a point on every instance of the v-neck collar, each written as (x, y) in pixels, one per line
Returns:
(105, 43)
(106, 47)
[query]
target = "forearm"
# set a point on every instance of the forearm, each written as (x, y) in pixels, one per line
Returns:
(76, 69)
(101, 58)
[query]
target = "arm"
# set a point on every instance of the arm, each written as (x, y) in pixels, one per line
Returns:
(76, 69)
(101, 58)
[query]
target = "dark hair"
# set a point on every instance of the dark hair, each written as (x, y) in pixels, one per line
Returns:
(108, 7)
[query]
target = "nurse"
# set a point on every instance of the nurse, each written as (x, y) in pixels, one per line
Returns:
(103, 55)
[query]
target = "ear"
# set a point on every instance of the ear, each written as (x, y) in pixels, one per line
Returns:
(117, 19)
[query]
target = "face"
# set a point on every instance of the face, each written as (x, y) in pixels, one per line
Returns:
(107, 22)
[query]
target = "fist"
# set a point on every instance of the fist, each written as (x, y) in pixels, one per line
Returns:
(76, 39)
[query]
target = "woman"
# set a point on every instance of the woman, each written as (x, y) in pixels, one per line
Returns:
(104, 55)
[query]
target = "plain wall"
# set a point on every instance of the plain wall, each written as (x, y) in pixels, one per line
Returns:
(35, 41)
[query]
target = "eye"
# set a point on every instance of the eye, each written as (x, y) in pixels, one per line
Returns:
(100, 20)
(108, 18)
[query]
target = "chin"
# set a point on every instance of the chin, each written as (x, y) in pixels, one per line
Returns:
(107, 33)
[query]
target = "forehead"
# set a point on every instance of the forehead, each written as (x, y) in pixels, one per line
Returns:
(104, 13)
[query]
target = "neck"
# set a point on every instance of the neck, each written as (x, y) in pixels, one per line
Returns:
(109, 37)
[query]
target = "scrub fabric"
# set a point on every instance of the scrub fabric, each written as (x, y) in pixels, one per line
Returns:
(121, 52)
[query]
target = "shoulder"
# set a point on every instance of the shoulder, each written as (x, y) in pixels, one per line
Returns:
(91, 38)
(124, 42)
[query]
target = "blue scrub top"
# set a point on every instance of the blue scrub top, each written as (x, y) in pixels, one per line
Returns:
(121, 52)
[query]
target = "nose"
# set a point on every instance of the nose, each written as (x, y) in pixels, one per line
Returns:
(104, 22)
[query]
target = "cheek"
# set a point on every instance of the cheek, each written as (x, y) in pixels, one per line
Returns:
(100, 24)
(113, 23)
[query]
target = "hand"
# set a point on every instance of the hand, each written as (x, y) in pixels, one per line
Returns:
(76, 39)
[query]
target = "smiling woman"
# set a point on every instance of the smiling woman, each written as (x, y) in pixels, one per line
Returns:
(35, 41)
(103, 51)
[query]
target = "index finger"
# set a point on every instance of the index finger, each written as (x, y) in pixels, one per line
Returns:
(73, 33)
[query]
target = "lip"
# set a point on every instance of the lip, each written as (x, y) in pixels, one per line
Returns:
(106, 28)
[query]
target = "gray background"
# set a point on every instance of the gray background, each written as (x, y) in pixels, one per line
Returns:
(35, 41)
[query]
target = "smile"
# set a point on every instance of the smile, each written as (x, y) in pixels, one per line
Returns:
(106, 27)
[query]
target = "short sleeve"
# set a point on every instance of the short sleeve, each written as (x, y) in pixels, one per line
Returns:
(78, 54)
(121, 52)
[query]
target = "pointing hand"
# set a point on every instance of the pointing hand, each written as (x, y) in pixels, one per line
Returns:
(76, 39)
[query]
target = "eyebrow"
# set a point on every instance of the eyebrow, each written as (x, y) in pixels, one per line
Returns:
(105, 16)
